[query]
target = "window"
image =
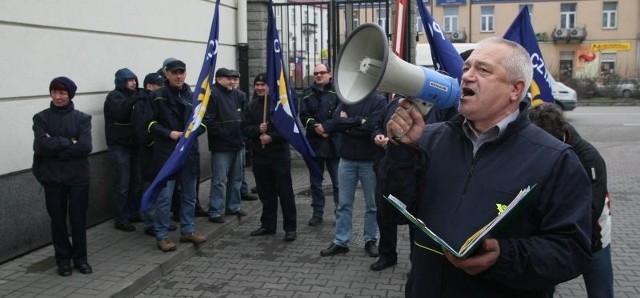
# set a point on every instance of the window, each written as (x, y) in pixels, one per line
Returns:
(486, 18)
(567, 15)
(450, 19)
(609, 15)
(607, 63)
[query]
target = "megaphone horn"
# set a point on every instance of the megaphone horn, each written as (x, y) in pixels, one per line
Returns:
(365, 65)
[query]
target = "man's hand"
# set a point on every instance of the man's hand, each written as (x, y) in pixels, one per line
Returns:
(263, 127)
(486, 255)
(381, 141)
(265, 139)
(406, 124)
(175, 135)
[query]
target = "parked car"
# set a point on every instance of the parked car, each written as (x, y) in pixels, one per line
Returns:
(564, 96)
(619, 88)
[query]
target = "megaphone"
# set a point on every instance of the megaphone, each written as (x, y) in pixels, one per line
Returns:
(365, 65)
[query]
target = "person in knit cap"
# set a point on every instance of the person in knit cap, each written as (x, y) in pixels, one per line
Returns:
(271, 163)
(61, 145)
(121, 141)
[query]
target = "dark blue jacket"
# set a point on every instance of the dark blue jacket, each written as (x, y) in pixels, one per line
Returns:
(275, 151)
(171, 109)
(223, 119)
(455, 193)
(117, 111)
(318, 106)
(355, 131)
(57, 160)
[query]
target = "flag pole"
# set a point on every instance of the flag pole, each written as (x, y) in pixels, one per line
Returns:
(264, 111)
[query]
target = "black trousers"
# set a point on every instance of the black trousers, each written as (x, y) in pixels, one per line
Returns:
(387, 244)
(71, 199)
(274, 181)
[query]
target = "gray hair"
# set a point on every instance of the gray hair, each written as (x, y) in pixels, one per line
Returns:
(517, 63)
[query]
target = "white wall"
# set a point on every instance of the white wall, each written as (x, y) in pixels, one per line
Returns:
(88, 40)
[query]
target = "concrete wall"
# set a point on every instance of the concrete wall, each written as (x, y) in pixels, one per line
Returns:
(86, 40)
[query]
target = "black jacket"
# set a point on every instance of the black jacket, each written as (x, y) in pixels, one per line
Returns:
(57, 159)
(318, 106)
(170, 109)
(275, 151)
(117, 112)
(223, 119)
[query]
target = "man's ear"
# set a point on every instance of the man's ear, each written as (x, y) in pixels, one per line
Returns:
(517, 90)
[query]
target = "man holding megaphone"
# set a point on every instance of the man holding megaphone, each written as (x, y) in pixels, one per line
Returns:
(456, 173)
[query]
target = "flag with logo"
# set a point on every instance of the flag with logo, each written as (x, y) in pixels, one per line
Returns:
(283, 112)
(444, 55)
(521, 32)
(200, 99)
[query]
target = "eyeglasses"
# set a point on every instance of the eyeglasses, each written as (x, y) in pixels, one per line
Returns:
(319, 73)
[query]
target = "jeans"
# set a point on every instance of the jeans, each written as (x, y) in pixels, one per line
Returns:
(244, 188)
(349, 172)
(317, 194)
(73, 199)
(187, 206)
(125, 199)
(226, 181)
(598, 277)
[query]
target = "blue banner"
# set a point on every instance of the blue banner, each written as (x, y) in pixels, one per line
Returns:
(444, 55)
(200, 99)
(284, 115)
(521, 32)
(451, 2)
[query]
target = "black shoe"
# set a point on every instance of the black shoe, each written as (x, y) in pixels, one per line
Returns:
(64, 270)
(248, 197)
(127, 227)
(314, 221)
(202, 213)
(371, 248)
(84, 268)
(150, 232)
(238, 213)
(333, 250)
(216, 219)
(172, 227)
(383, 263)
(262, 231)
(175, 217)
(290, 236)
(254, 190)
(136, 218)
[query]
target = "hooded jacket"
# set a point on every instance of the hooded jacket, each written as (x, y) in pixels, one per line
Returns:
(61, 145)
(117, 111)
(455, 193)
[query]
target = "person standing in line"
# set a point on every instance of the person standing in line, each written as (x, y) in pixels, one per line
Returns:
(318, 106)
(61, 145)
(271, 163)
(223, 120)
(355, 124)
(121, 140)
(459, 174)
(170, 110)
(598, 278)
(244, 188)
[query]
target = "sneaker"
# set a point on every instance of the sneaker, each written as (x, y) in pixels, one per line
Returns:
(314, 221)
(195, 238)
(166, 245)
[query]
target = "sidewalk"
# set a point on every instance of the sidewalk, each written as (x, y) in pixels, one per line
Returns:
(123, 263)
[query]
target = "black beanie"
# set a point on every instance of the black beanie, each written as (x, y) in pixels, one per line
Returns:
(68, 84)
(261, 77)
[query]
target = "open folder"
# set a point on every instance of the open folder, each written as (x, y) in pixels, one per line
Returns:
(475, 239)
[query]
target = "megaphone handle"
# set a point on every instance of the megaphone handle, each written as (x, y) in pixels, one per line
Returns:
(421, 105)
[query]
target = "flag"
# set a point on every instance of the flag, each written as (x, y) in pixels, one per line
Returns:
(444, 55)
(283, 114)
(200, 99)
(521, 32)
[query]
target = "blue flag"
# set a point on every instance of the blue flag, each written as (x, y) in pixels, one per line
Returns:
(200, 99)
(444, 55)
(283, 114)
(521, 32)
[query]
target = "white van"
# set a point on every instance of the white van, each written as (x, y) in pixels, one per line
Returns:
(564, 96)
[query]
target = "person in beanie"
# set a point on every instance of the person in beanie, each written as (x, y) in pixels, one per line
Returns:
(226, 143)
(62, 143)
(271, 163)
(170, 110)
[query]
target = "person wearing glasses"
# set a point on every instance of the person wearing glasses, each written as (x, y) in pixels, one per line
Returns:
(319, 102)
